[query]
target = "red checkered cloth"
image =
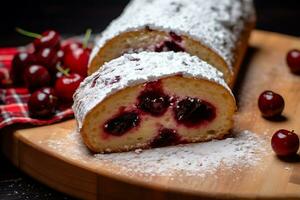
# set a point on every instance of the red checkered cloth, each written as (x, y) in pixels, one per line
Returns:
(13, 101)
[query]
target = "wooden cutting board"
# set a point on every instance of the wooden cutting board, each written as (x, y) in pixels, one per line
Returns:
(42, 152)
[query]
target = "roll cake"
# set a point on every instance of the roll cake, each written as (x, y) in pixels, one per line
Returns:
(149, 99)
(216, 31)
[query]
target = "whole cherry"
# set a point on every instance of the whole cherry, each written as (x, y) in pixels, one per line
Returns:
(270, 104)
(70, 45)
(77, 59)
(61, 72)
(60, 56)
(19, 63)
(293, 61)
(48, 39)
(42, 103)
(49, 58)
(36, 76)
(66, 86)
(285, 143)
(2, 77)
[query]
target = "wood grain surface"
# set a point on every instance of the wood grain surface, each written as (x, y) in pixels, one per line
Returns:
(264, 68)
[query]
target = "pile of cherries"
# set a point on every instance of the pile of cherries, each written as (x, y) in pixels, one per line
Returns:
(51, 72)
(284, 143)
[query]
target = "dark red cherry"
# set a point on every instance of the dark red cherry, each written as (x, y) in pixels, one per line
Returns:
(2, 77)
(153, 102)
(169, 46)
(270, 104)
(193, 111)
(70, 45)
(77, 60)
(48, 39)
(60, 56)
(66, 86)
(58, 75)
(36, 76)
(42, 103)
(175, 37)
(49, 58)
(19, 64)
(166, 137)
(122, 123)
(293, 61)
(285, 143)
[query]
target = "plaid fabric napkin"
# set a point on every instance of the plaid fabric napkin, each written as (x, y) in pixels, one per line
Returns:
(13, 101)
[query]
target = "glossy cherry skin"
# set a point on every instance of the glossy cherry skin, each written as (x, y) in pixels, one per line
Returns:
(77, 61)
(19, 64)
(285, 143)
(49, 58)
(42, 103)
(293, 61)
(2, 77)
(70, 45)
(270, 104)
(36, 76)
(66, 86)
(49, 39)
(60, 56)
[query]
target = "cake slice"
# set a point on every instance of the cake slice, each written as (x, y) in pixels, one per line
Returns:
(150, 100)
(217, 31)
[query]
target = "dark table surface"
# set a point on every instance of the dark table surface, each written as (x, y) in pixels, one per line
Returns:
(73, 17)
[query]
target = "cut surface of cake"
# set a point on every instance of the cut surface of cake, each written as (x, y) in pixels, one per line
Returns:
(150, 100)
(217, 31)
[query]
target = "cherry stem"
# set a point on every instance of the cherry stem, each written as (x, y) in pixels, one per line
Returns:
(63, 71)
(28, 33)
(86, 38)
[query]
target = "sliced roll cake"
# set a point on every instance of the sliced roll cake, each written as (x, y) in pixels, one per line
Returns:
(216, 31)
(150, 100)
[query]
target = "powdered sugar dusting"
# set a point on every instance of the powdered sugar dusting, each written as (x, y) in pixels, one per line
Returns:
(194, 159)
(218, 24)
(245, 149)
(136, 69)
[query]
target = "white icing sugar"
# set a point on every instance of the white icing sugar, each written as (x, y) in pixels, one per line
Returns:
(244, 149)
(133, 69)
(218, 24)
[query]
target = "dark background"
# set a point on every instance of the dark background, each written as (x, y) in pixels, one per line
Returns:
(74, 17)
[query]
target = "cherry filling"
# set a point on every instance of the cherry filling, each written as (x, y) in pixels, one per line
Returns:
(166, 137)
(169, 46)
(193, 111)
(153, 100)
(175, 37)
(122, 123)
